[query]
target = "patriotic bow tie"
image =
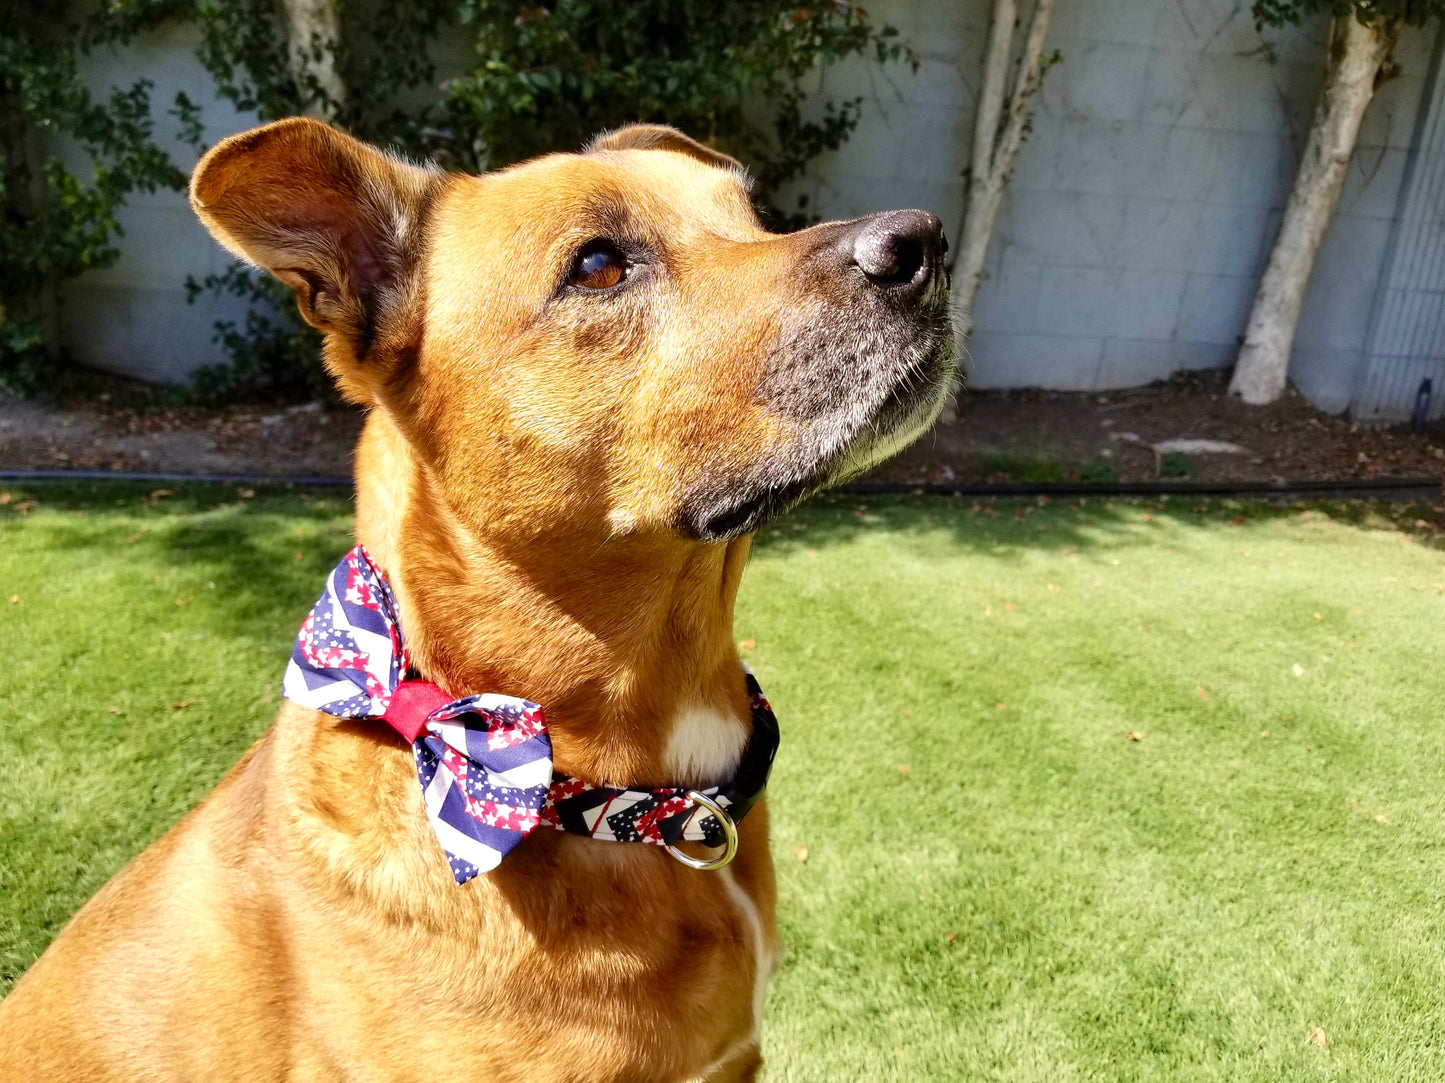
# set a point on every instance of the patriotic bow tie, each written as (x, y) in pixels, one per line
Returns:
(485, 762)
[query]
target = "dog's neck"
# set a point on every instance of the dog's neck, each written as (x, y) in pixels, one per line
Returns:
(625, 642)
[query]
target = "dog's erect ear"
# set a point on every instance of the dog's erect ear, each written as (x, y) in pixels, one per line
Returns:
(661, 137)
(335, 219)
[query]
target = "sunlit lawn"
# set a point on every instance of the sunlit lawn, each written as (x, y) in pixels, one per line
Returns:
(1120, 791)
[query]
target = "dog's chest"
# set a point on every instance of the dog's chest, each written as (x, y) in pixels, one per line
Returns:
(569, 986)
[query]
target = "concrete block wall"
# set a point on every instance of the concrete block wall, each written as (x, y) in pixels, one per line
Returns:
(1144, 202)
(1131, 239)
(132, 317)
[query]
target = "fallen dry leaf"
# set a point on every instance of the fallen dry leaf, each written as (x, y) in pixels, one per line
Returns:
(1380, 818)
(1133, 735)
(116, 711)
(903, 768)
(297, 556)
(1297, 669)
(1201, 691)
(15, 600)
(1319, 1037)
(746, 645)
(182, 705)
(5, 498)
(1319, 616)
(183, 601)
(1264, 733)
(949, 938)
(801, 853)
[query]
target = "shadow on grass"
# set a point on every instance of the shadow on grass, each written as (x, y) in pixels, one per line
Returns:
(259, 551)
(267, 549)
(1073, 523)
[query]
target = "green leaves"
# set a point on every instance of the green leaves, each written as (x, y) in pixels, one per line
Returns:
(272, 352)
(1285, 12)
(540, 77)
(533, 77)
(58, 223)
(552, 76)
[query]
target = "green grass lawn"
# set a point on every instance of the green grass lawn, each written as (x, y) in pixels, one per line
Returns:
(1105, 792)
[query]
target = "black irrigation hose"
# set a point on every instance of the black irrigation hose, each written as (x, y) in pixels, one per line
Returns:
(166, 478)
(1426, 489)
(1397, 489)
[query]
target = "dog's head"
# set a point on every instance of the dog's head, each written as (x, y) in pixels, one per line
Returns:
(608, 336)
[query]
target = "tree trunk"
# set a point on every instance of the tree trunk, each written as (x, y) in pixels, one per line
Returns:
(314, 30)
(1357, 52)
(998, 129)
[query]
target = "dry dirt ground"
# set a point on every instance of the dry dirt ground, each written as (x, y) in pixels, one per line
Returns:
(1027, 436)
(1187, 428)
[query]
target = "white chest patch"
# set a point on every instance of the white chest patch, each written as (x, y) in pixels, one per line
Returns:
(704, 748)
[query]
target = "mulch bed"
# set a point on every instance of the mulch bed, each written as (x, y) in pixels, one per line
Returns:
(1040, 436)
(1014, 436)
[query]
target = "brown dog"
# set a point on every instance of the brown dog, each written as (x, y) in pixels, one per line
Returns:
(590, 378)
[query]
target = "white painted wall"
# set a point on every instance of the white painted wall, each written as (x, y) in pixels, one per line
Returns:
(1130, 242)
(1143, 205)
(132, 317)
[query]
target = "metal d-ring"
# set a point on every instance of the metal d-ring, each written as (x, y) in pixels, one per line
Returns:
(730, 836)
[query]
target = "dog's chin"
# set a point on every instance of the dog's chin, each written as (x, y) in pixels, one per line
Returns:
(782, 482)
(903, 420)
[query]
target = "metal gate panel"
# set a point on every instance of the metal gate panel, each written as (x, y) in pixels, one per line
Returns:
(1405, 344)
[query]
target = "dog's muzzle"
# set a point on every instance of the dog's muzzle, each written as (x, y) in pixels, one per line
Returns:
(861, 369)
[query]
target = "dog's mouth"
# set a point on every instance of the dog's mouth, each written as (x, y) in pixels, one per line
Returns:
(752, 512)
(832, 451)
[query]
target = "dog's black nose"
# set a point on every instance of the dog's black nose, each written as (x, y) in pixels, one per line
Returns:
(900, 250)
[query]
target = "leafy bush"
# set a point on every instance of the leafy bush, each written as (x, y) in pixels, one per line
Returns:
(541, 77)
(56, 224)
(1098, 472)
(1176, 465)
(272, 350)
(1036, 469)
(1284, 12)
(550, 76)
(386, 60)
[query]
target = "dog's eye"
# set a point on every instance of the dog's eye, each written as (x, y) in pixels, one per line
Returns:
(600, 265)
